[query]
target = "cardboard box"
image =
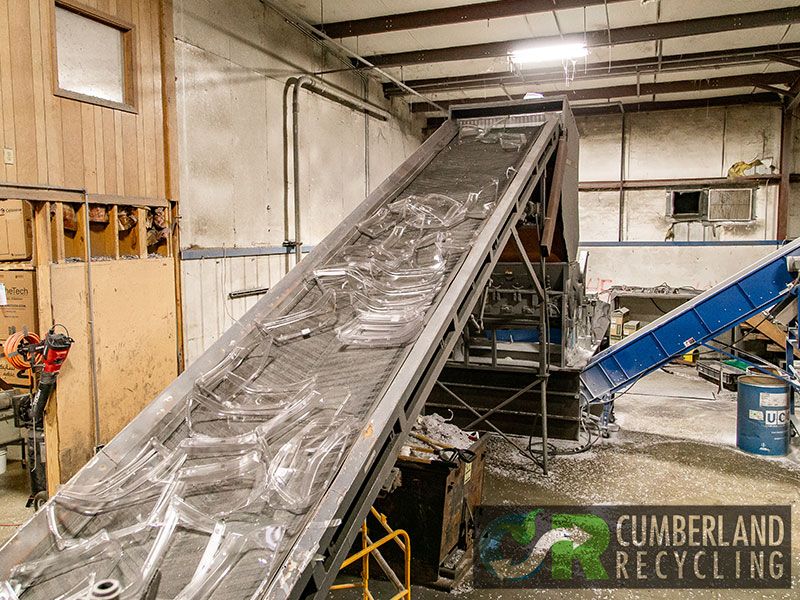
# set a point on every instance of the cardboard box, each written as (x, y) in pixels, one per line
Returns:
(618, 319)
(630, 327)
(16, 230)
(18, 290)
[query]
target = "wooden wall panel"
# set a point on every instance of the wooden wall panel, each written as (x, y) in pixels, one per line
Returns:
(66, 143)
(7, 89)
(22, 76)
(134, 345)
(118, 157)
(52, 104)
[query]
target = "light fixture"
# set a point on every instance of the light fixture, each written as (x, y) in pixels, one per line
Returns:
(533, 95)
(548, 53)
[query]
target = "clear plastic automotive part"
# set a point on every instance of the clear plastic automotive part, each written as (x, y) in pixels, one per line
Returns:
(431, 211)
(414, 276)
(303, 467)
(241, 367)
(221, 488)
(245, 553)
(100, 549)
(315, 319)
(378, 222)
(481, 203)
(367, 333)
(355, 255)
(388, 304)
(397, 289)
(211, 421)
(512, 141)
(334, 277)
(153, 464)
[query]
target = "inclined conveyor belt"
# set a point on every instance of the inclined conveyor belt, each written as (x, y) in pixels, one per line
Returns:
(249, 475)
(715, 311)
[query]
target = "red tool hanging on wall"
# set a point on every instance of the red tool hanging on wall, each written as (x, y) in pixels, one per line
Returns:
(42, 360)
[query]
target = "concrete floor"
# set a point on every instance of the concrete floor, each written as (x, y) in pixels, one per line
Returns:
(676, 445)
(13, 496)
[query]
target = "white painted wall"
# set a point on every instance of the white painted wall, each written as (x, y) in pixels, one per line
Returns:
(232, 62)
(675, 144)
(700, 267)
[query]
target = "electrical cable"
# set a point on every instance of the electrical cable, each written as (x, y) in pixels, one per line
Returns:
(661, 310)
(64, 327)
(11, 350)
(591, 439)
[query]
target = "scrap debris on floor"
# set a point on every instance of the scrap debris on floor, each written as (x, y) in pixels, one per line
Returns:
(432, 433)
(671, 424)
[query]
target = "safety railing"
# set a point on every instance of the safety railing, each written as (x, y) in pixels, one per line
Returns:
(370, 549)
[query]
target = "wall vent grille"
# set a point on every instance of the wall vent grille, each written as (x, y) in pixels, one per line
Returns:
(730, 205)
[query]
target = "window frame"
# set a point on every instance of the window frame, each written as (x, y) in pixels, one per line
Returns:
(128, 32)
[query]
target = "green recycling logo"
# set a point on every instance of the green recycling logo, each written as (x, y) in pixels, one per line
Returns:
(510, 551)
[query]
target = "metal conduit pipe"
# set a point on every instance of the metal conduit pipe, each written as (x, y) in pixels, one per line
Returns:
(326, 91)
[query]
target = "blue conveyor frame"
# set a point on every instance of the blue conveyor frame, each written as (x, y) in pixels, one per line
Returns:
(712, 313)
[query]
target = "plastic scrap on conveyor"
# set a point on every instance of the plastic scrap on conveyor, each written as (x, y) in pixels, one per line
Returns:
(209, 505)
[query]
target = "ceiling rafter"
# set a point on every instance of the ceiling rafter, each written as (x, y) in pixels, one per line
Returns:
(450, 16)
(630, 107)
(642, 89)
(737, 56)
(794, 95)
(598, 38)
(774, 89)
(778, 57)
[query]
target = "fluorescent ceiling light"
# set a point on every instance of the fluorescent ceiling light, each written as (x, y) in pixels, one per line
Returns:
(533, 95)
(549, 53)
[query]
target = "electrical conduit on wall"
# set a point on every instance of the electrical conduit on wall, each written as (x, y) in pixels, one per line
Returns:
(326, 91)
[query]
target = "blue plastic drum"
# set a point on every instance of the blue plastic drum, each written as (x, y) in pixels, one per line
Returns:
(762, 421)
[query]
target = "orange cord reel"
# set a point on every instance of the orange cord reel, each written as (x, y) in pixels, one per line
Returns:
(20, 361)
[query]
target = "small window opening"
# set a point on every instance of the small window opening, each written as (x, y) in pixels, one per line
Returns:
(94, 57)
(686, 204)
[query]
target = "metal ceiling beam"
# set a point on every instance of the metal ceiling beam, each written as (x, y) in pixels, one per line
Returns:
(794, 92)
(635, 107)
(598, 38)
(777, 90)
(643, 89)
(450, 15)
(736, 56)
(630, 107)
(777, 57)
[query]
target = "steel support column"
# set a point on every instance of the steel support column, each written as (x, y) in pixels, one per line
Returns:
(784, 187)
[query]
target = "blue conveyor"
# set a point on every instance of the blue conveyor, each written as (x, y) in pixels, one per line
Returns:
(710, 314)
